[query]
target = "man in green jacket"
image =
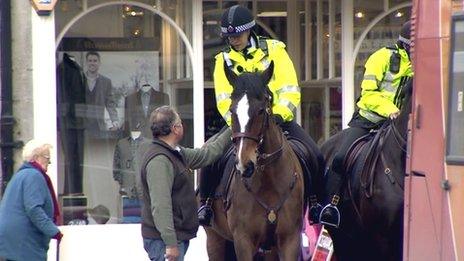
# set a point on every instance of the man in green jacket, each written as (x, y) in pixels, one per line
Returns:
(169, 209)
(386, 72)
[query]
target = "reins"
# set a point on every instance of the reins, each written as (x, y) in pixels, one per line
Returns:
(400, 140)
(402, 143)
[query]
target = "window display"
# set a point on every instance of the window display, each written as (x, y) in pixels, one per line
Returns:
(107, 88)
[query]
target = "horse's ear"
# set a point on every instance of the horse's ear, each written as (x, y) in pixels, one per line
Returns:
(267, 74)
(230, 75)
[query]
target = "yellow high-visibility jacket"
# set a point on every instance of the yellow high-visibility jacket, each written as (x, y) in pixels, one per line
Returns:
(283, 85)
(379, 86)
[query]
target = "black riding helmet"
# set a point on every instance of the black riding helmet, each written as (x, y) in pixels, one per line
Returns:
(236, 20)
(405, 36)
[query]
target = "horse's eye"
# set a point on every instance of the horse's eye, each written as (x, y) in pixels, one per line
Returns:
(261, 111)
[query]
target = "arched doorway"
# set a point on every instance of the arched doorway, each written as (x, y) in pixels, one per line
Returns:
(121, 51)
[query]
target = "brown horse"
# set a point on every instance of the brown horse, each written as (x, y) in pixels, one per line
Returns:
(372, 204)
(265, 196)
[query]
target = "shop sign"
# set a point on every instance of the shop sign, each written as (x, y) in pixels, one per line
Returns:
(43, 7)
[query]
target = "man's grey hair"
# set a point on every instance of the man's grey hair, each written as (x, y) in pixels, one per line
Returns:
(162, 119)
(34, 148)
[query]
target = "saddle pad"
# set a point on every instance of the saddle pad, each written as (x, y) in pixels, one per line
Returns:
(228, 165)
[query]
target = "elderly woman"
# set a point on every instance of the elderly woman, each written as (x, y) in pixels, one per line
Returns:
(29, 210)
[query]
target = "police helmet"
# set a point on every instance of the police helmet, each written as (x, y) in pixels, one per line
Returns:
(405, 34)
(236, 20)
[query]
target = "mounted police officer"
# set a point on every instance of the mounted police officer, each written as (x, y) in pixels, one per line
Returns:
(247, 52)
(386, 71)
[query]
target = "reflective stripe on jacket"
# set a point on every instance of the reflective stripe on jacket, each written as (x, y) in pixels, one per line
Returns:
(379, 85)
(283, 85)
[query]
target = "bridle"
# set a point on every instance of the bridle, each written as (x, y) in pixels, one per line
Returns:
(236, 136)
(262, 157)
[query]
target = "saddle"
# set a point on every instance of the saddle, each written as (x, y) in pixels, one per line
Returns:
(373, 142)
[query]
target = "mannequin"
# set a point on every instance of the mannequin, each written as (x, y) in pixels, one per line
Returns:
(140, 104)
(125, 173)
(124, 163)
(71, 125)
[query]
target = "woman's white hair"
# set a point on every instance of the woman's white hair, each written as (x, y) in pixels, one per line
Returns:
(34, 148)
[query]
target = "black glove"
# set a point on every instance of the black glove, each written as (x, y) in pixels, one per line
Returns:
(278, 119)
(58, 236)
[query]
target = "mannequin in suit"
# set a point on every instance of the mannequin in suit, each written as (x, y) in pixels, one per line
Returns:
(71, 123)
(124, 163)
(125, 173)
(140, 104)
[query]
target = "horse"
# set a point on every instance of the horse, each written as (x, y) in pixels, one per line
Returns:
(264, 206)
(371, 208)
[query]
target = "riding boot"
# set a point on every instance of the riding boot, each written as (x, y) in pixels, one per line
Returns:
(316, 195)
(330, 215)
(205, 212)
(314, 207)
(209, 179)
(311, 192)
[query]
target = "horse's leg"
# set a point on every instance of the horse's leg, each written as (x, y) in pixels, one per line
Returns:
(215, 245)
(290, 247)
(390, 249)
(244, 247)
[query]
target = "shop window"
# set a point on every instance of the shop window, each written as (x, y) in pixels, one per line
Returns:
(321, 111)
(115, 66)
(313, 44)
(212, 41)
(455, 142)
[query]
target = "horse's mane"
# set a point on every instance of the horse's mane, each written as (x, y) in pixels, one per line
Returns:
(252, 84)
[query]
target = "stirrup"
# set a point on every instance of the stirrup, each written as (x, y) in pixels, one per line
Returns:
(330, 216)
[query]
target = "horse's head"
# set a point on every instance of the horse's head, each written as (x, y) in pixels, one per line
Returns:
(250, 110)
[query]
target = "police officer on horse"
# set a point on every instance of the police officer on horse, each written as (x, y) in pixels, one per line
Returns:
(248, 52)
(386, 71)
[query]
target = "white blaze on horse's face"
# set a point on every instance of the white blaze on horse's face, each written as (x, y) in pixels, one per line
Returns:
(242, 113)
(243, 118)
